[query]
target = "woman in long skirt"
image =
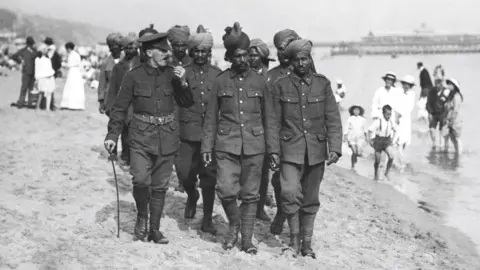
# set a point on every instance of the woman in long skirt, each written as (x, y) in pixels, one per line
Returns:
(73, 97)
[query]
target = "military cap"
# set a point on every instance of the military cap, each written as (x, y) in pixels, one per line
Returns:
(158, 40)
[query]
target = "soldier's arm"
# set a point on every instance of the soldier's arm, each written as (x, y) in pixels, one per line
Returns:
(120, 107)
(102, 81)
(333, 122)
(182, 93)
(210, 123)
(271, 123)
(112, 91)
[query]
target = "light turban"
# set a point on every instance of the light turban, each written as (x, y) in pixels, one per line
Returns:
(114, 39)
(201, 39)
(299, 46)
(178, 34)
(282, 38)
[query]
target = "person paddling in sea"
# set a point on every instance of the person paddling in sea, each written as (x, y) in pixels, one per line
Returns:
(436, 110)
(381, 134)
(356, 133)
(406, 105)
(453, 123)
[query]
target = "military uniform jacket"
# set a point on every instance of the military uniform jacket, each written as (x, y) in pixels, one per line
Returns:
(106, 69)
(307, 117)
(185, 61)
(152, 92)
(200, 79)
(238, 114)
(277, 72)
(118, 72)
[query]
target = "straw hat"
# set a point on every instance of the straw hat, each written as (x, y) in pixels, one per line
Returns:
(390, 75)
(350, 110)
(408, 79)
(454, 82)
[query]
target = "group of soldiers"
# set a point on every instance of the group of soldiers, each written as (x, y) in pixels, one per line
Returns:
(227, 128)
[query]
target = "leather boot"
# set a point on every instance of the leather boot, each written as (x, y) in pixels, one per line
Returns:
(191, 205)
(233, 214)
(307, 224)
(248, 211)
(276, 227)
(157, 201)
(294, 224)
(208, 195)
(141, 196)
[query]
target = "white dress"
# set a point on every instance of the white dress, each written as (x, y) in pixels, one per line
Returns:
(384, 97)
(74, 91)
(405, 107)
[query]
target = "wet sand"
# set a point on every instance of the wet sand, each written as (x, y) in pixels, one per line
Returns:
(58, 211)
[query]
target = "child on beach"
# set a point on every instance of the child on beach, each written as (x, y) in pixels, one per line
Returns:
(381, 134)
(355, 133)
(44, 76)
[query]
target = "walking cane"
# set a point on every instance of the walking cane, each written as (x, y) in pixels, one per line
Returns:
(112, 158)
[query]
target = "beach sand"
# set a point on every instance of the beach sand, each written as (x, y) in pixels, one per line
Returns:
(58, 211)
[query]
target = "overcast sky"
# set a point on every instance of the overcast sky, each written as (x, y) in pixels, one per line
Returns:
(318, 20)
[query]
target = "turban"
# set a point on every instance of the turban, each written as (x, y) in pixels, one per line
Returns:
(147, 31)
(302, 46)
(114, 38)
(129, 39)
(262, 48)
(235, 39)
(201, 40)
(282, 38)
(178, 34)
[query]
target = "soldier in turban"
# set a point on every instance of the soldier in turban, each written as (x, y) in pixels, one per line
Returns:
(178, 36)
(236, 122)
(113, 43)
(259, 56)
(200, 75)
(311, 134)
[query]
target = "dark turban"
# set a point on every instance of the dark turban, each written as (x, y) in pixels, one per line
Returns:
(299, 46)
(201, 39)
(282, 38)
(114, 38)
(235, 39)
(261, 47)
(178, 34)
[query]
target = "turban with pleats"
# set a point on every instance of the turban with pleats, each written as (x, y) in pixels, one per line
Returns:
(201, 39)
(282, 38)
(129, 39)
(262, 48)
(178, 34)
(234, 39)
(299, 46)
(114, 38)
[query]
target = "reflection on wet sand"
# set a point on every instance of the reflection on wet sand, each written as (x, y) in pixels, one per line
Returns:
(444, 160)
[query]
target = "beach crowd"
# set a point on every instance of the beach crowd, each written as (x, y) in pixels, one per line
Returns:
(248, 133)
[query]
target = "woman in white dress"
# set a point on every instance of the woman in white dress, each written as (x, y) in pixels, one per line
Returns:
(73, 97)
(405, 107)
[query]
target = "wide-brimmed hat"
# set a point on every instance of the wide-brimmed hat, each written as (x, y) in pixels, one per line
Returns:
(390, 75)
(408, 79)
(350, 110)
(454, 82)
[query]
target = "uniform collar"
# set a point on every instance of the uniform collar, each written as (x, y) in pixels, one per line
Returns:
(151, 70)
(198, 69)
(240, 75)
(297, 80)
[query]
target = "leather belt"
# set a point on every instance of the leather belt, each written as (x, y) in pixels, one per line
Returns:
(158, 121)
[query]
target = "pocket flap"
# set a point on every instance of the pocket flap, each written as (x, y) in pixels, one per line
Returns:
(321, 137)
(225, 93)
(290, 99)
(255, 93)
(286, 135)
(173, 125)
(257, 131)
(316, 99)
(139, 125)
(185, 118)
(224, 130)
(143, 92)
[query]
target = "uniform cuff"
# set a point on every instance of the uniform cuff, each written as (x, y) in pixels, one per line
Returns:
(111, 136)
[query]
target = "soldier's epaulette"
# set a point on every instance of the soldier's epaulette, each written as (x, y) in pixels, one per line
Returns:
(136, 66)
(320, 75)
(187, 65)
(216, 68)
(281, 78)
(220, 74)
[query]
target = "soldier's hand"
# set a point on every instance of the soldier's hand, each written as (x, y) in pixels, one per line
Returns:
(179, 72)
(109, 145)
(274, 162)
(207, 158)
(101, 107)
(332, 158)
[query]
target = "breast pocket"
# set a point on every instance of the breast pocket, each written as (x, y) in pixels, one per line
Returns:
(255, 99)
(290, 107)
(167, 88)
(316, 106)
(226, 101)
(142, 91)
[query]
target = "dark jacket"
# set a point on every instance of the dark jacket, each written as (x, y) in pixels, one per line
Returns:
(238, 114)
(200, 79)
(307, 119)
(436, 102)
(425, 82)
(152, 92)
(277, 72)
(57, 64)
(27, 56)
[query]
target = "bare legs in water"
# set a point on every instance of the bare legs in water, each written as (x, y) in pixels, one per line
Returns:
(378, 158)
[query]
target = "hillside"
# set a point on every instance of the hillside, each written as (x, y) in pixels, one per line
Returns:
(60, 30)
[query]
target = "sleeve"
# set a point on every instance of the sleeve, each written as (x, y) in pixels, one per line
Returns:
(112, 91)
(375, 102)
(182, 93)
(102, 82)
(269, 121)
(333, 122)
(37, 68)
(211, 121)
(17, 57)
(276, 117)
(374, 127)
(120, 108)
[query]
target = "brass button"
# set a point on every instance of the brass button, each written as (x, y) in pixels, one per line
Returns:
(241, 101)
(241, 125)
(241, 112)
(240, 89)
(305, 131)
